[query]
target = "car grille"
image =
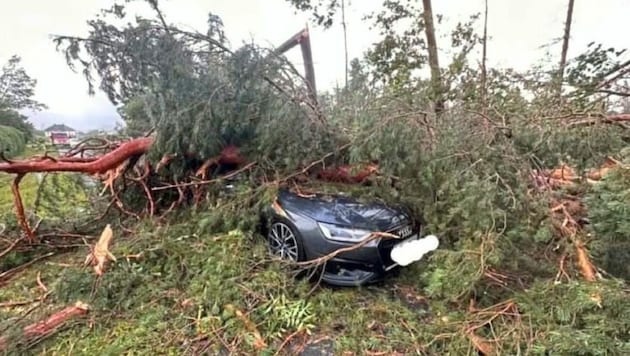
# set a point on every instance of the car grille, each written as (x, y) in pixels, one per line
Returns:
(385, 246)
(384, 250)
(404, 231)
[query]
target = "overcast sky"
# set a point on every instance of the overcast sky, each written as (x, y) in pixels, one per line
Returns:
(517, 30)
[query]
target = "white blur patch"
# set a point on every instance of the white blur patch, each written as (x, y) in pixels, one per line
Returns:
(408, 252)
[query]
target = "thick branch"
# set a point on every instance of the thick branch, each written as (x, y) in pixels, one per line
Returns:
(19, 207)
(611, 119)
(101, 165)
(49, 325)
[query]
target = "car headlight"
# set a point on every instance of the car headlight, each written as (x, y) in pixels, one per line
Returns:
(343, 234)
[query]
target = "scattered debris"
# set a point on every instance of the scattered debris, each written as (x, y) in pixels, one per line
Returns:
(567, 211)
(565, 175)
(259, 342)
(481, 344)
(41, 284)
(49, 325)
(46, 326)
(100, 254)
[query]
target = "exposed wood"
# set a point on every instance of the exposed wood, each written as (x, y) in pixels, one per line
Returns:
(100, 254)
(50, 324)
(610, 119)
(436, 78)
(584, 262)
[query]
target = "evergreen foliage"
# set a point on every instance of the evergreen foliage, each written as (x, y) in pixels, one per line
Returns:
(17, 89)
(609, 208)
(198, 94)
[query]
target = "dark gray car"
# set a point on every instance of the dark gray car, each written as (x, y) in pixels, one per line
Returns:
(302, 228)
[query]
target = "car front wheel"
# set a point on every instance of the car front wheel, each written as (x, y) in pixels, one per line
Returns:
(284, 242)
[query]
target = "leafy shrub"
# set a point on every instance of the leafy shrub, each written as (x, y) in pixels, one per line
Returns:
(12, 141)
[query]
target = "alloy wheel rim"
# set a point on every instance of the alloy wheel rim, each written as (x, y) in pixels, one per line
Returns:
(282, 242)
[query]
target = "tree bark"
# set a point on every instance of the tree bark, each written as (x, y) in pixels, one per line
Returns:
(345, 38)
(484, 74)
(434, 63)
(309, 70)
(565, 46)
(49, 325)
(102, 164)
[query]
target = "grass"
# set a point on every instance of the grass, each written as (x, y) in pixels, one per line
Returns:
(58, 190)
(177, 288)
(184, 294)
(28, 188)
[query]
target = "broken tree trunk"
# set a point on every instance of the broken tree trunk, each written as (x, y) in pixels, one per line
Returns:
(436, 77)
(565, 46)
(49, 325)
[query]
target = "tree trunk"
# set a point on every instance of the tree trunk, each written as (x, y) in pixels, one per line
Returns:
(565, 47)
(484, 74)
(436, 79)
(309, 70)
(345, 38)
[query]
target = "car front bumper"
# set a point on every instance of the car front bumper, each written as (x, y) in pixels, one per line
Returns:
(364, 265)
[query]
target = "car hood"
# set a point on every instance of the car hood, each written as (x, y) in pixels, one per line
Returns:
(343, 211)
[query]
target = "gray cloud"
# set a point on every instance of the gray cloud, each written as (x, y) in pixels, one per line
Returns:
(99, 118)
